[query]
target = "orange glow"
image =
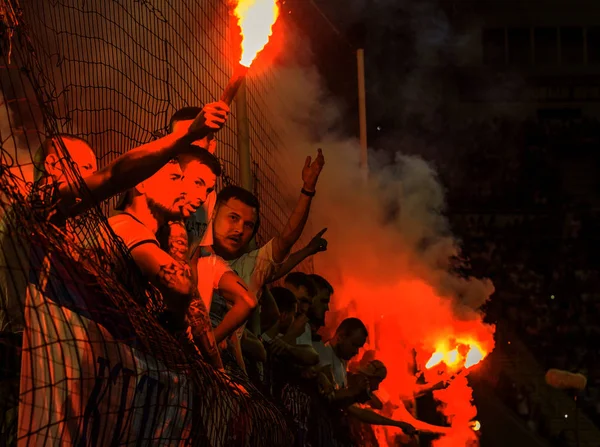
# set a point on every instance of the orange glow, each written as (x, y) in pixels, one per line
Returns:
(256, 19)
(454, 358)
(476, 425)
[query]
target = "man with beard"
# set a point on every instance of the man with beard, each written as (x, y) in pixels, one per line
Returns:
(200, 170)
(66, 184)
(236, 222)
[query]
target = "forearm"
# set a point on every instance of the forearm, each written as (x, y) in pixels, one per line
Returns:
(293, 229)
(202, 332)
(205, 341)
(305, 355)
(370, 417)
(269, 312)
(253, 347)
(233, 319)
(291, 262)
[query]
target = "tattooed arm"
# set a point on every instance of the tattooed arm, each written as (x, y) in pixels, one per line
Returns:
(174, 238)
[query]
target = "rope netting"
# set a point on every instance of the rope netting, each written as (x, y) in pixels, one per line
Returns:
(84, 358)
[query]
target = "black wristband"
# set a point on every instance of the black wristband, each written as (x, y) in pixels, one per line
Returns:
(307, 193)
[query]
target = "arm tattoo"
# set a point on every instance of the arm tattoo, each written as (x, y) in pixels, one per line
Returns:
(175, 276)
(177, 241)
(202, 332)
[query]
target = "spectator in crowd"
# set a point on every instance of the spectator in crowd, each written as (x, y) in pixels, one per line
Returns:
(235, 224)
(157, 203)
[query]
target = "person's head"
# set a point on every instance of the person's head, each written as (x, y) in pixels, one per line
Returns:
(50, 159)
(350, 337)
(303, 289)
(200, 171)
(286, 303)
(321, 300)
(183, 119)
(236, 221)
(163, 192)
(376, 372)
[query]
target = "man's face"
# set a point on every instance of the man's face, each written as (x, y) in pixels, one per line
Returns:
(320, 306)
(82, 156)
(303, 299)
(349, 344)
(233, 228)
(164, 191)
(198, 182)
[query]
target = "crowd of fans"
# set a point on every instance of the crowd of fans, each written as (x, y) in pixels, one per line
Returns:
(537, 242)
(216, 293)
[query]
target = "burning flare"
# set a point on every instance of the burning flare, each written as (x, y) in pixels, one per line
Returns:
(464, 354)
(256, 19)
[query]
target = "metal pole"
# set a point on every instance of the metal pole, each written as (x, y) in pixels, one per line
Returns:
(362, 110)
(243, 137)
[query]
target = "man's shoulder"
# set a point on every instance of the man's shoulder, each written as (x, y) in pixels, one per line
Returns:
(131, 230)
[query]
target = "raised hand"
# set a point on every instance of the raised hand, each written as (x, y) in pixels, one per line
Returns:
(212, 119)
(318, 243)
(311, 171)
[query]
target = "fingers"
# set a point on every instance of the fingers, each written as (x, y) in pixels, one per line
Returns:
(320, 160)
(307, 162)
(321, 233)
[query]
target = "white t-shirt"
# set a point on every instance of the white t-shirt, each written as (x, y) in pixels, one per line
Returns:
(132, 231)
(327, 357)
(255, 268)
(211, 269)
(306, 337)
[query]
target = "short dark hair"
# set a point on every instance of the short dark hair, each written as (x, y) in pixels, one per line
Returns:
(299, 279)
(350, 325)
(244, 196)
(204, 157)
(321, 283)
(47, 147)
(187, 113)
(285, 299)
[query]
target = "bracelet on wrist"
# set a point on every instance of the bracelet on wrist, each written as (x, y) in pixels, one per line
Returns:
(308, 193)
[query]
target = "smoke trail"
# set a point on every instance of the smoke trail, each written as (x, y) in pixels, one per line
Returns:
(391, 253)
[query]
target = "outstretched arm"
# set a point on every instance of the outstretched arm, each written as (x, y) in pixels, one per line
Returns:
(370, 417)
(283, 243)
(317, 244)
(138, 164)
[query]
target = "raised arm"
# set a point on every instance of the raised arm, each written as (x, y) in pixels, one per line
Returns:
(140, 163)
(242, 301)
(317, 244)
(283, 243)
(370, 417)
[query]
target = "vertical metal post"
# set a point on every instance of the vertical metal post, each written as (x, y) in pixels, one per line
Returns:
(362, 110)
(243, 138)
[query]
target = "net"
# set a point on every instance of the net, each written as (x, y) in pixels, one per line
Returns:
(95, 366)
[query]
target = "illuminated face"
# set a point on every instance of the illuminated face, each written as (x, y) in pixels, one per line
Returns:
(82, 157)
(164, 191)
(349, 344)
(302, 297)
(198, 182)
(233, 227)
